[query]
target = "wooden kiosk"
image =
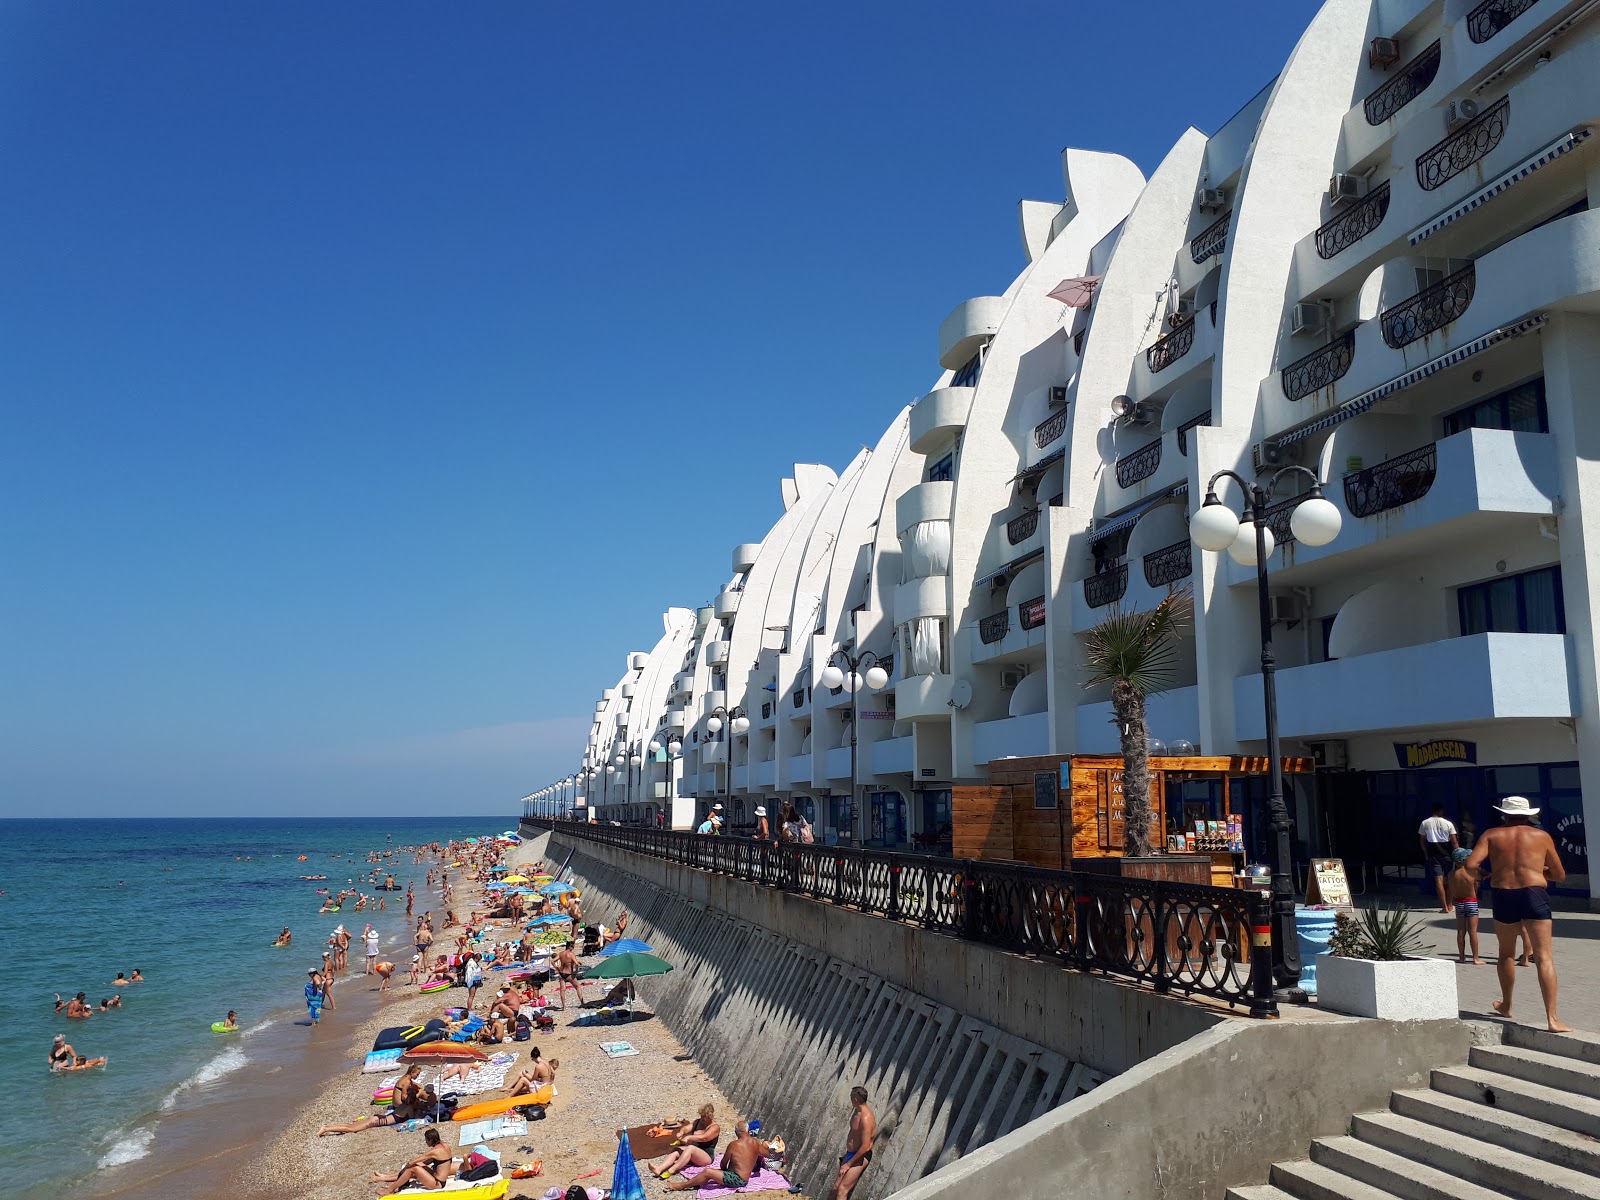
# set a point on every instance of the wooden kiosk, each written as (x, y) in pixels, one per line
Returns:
(1066, 812)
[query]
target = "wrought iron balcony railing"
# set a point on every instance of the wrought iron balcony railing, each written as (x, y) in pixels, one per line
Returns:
(1443, 161)
(1078, 340)
(1399, 481)
(1140, 464)
(1353, 222)
(1107, 587)
(1192, 423)
(1169, 564)
(1019, 529)
(1049, 429)
(1211, 240)
(1172, 347)
(799, 698)
(993, 629)
(1323, 367)
(1278, 516)
(766, 710)
(1171, 937)
(1490, 17)
(1407, 84)
(1430, 309)
(1031, 613)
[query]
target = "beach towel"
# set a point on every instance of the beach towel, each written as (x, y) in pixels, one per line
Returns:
(617, 1049)
(381, 1060)
(491, 1128)
(490, 1077)
(763, 1180)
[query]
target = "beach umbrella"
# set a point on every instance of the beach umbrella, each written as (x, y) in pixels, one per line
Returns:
(557, 889)
(626, 946)
(628, 965)
(516, 879)
(440, 1053)
(548, 919)
(625, 1181)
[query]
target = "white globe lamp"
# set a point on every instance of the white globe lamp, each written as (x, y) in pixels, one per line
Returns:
(1243, 550)
(1315, 521)
(740, 724)
(713, 724)
(877, 678)
(1214, 527)
(832, 677)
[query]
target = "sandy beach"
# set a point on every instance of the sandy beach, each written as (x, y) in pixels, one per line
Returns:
(596, 1096)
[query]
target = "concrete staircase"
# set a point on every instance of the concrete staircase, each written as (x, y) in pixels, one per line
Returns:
(1520, 1120)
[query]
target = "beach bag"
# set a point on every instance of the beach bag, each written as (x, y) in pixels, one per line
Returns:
(477, 1166)
(524, 1031)
(806, 836)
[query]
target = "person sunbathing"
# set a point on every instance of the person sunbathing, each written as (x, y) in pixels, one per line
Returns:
(432, 1168)
(532, 1080)
(697, 1147)
(739, 1162)
(408, 1102)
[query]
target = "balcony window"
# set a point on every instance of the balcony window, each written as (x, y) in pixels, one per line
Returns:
(1520, 409)
(967, 376)
(1529, 602)
(942, 471)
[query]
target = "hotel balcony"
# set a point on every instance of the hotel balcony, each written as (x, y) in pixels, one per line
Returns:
(1024, 534)
(677, 718)
(1048, 437)
(1457, 681)
(745, 555)
(1144, 579)
(1169, 716)
(1204, 252)
(682, 686)
(1012, 737)
(741, 778)
(717, 653)
(767, 774)
(1177, 357)
(800, 768)
(887, 756)
(1464, 489)
(727, 604)
(928, 597)
(939, 416)
(713, 700)
(931, 501)
(965, 330)
(796, 704)
(837, 762)
(660, 790)
(764, 712)
(923, 697)
(1012, 632)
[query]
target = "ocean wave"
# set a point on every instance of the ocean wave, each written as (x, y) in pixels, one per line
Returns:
(130, 1148)
(226, 1063)
(258, 1028)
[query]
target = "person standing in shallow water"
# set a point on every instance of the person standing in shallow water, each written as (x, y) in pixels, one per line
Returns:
(314, 995)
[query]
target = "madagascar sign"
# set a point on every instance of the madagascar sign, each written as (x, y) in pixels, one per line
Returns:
(1425, 754)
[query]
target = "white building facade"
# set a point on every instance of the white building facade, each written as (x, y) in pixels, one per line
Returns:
(1385, 268)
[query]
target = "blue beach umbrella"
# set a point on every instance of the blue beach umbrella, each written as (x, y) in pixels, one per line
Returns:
(557, 889)
(626, 946)
(548, 919)
(625, 1181)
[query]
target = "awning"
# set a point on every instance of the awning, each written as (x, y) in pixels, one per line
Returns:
(1354, 408)
(1130, 519)
(1077, 292)
(1011, 567)
(1540, 158)
(1039, 468)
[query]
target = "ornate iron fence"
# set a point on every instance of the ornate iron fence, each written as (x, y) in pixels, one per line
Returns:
(1408, 83)
(1140, 464)
(1106, 587)
(1169, 564)
(1049, 429)
(1278, 517)
(1020, 529)
(1443, 161)
(1213, 239)
(994, 628)
(1031, 613)
(1171, 348)
(1323, 367)
(1390, 484)
(1352, 223)
(1490, 17)
(1192, 423)
(1172, 937)
(1429, 310)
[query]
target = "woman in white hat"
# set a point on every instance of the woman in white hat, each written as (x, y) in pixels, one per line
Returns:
(763, 829)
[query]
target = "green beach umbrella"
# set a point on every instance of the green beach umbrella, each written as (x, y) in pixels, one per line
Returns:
(628, 966)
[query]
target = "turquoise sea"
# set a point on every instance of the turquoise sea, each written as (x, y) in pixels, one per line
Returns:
(194, 905)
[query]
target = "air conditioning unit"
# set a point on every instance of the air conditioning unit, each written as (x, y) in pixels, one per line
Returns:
(1383, 52)
(1346, 187)
(1310, 317)
(1268, 455)
(1010, 678)
(1058, 397)
(1210, 199)
(1458, 112)
(1284, 607)
(1332, 755)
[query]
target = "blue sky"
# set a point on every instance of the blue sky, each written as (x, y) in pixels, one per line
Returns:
(356, 358)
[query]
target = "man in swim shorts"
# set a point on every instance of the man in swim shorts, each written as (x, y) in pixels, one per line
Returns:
(739, 1162)
(1523, 862)
(858, 1146)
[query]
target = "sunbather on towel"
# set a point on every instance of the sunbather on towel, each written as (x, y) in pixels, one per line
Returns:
(431, 1168)
(698, 1146)
(739, 1162)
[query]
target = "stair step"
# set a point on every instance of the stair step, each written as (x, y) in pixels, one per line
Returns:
(1261, 1191)
(1512, 1173)
(1554, 1106)
(1584, 1046)
(1310, 1181)
(1494, 1125)
(1536, 1066)
(1404, 1177)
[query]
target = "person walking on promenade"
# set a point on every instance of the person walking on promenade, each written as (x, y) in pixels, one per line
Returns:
(1523, 862)
(858, 1145)
(1463, 890)
(1437, 837)
(763, 826)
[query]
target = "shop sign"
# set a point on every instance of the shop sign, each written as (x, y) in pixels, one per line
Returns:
(1033, 614)
(868, 715)
(1570, 838)
(1328, 883)
(1425, 754)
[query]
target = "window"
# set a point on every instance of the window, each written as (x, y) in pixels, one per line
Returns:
(1520, 409)
(1325, 634)
(1525, 603)
(967, 375)
(944, 469)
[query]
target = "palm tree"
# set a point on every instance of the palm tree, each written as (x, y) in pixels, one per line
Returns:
(1136, 652)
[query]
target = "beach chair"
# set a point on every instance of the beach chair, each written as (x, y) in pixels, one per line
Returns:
(591, 940)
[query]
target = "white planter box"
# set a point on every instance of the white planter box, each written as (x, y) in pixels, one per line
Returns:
(1413, 989)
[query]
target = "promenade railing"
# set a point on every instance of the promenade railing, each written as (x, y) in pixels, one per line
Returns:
(1172, 937)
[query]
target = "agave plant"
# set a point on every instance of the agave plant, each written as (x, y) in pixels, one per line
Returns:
(1136, 652)
(1378, 935)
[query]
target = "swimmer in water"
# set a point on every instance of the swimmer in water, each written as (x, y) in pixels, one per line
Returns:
(232, 1021)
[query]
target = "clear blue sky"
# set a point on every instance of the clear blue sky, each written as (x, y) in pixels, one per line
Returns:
(343, 345)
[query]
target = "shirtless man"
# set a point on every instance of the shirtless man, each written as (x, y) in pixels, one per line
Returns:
(739, 1162)
(76, 1007)
(565, 965)
(1523, 860)
(857, 1147)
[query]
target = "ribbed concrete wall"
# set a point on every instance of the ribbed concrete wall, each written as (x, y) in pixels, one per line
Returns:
(787, 1030)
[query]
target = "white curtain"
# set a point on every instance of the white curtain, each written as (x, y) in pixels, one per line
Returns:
(925, 550)
(922, 647)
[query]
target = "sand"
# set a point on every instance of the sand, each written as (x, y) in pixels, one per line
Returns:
(596, 1096)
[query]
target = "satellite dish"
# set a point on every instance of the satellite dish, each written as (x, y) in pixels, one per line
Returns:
(1123, 406)
(960, 694)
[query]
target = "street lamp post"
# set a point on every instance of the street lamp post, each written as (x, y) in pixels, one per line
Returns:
(666, 755)
(737, 723)
(853, 672)
(1315, 521)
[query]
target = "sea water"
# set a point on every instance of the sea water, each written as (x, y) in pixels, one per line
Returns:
(194, 905)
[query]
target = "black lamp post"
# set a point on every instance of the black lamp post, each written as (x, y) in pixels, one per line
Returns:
(737, 723)
(1248, 541)
(853, 672)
